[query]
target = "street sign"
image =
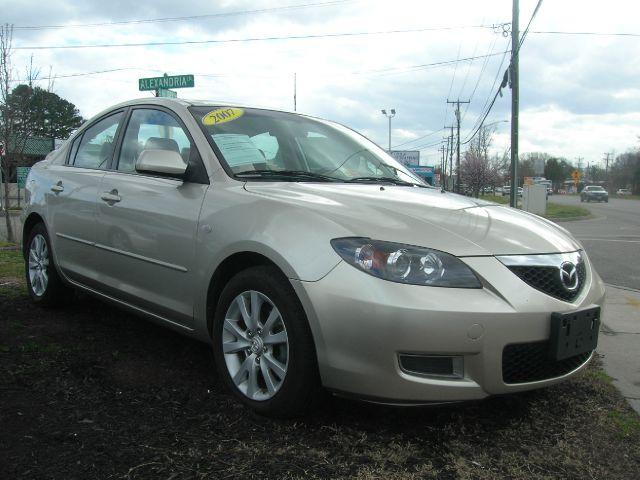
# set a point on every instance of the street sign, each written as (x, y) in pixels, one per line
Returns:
(166, 81)
(406, 157)
(21, 174)
(166, 93)
(576, 177)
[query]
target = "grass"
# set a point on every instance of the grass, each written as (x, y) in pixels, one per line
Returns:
(12, 282)
(496, 199)
(554, 210)
(626, 197)
(6, 244)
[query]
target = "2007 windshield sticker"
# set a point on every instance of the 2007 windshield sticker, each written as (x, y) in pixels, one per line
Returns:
(222, 115)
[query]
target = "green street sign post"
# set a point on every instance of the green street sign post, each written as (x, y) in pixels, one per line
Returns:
(162, 84)
(21, 179)
(21, 175)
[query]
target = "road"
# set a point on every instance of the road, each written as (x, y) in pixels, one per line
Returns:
(612, 239)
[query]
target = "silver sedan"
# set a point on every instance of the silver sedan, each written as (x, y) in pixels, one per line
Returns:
(307, 258)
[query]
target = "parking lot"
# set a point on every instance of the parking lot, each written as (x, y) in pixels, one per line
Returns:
(90, 392)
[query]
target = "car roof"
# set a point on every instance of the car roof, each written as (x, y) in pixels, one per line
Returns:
(168, 102)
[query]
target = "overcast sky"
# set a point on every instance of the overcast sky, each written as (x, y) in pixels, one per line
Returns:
(579, 95)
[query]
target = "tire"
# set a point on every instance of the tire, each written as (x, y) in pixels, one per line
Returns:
(299, 391)
(581, 200)
(44, 285)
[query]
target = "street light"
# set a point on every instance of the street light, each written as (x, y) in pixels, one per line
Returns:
(389, 116)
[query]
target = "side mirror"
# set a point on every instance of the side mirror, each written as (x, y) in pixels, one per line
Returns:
(163, 162)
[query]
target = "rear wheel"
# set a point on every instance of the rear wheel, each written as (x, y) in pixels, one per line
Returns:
(43, 282)
(263, 346)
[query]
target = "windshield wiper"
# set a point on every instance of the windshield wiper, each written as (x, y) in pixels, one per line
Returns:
(394, 181)
(288, 174)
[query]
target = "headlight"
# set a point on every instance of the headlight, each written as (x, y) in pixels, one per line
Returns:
(405, 263)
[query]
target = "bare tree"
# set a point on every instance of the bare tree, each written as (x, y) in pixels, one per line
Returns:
(6, 120)
(477, 170)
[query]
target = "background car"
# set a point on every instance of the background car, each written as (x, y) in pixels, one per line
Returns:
(594, 193)
(623, 191)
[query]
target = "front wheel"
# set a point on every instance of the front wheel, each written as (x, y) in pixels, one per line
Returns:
(263, 346)
(45, 286)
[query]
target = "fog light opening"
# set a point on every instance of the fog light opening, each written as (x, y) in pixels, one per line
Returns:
(440, 366)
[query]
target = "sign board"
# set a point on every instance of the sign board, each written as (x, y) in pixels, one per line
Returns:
(166, 81)
(576, 177)
(406, 157)
(21, 175)
(538, 166)
(166, 93)
(422, 170)
(528, 181)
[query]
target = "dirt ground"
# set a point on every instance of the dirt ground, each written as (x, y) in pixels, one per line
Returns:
(90, 392)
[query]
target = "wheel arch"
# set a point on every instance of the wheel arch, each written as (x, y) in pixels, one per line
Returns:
(31, 221)
(225, 270)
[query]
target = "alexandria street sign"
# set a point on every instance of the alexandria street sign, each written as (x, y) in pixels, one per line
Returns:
(165, 82)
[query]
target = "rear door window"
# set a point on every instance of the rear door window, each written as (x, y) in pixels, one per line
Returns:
(95, 149)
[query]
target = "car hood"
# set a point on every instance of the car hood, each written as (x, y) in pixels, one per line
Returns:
(422, 216)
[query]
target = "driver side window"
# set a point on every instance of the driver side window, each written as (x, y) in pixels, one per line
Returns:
(150, 129)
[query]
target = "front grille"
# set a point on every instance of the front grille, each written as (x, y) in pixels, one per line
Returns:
(547, 280)
(530, 362)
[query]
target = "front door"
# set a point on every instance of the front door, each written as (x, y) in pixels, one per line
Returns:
(147, 224)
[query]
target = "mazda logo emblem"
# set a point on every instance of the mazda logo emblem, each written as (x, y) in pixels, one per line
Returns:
(569, 276)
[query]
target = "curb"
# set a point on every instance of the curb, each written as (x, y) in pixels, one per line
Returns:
(571, 219)
(620, 287)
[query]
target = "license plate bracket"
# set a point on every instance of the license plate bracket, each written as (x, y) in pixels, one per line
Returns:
(573, 333)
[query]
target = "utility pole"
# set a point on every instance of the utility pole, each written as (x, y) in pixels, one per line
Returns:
(515, 100)
(443, 162)
(389, 116)
(606, 168)
(458, 102)
(295, 92)
(450, 155)
(451, 158)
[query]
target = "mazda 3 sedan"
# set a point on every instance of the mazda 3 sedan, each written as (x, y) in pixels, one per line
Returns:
(307, 258)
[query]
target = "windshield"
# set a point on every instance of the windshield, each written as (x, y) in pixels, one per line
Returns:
(595, 189)
(258, 144)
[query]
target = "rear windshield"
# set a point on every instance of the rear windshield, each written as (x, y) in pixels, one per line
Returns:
(255, 140)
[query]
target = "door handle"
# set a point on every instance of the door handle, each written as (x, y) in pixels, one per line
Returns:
(111, 197)
(57, 188)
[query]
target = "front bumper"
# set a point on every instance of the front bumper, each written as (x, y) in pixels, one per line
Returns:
(361, 323)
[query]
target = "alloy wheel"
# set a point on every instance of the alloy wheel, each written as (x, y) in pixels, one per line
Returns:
(38, 265)
(255, 345)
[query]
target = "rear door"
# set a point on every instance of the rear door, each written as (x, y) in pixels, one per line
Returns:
(147, 224)
(71, 198)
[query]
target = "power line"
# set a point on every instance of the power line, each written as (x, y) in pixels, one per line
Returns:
(526, 30)
(482, 70)
(189, 17)
(504, 81)
(600, 34)
(394, 70)
(418, 138)
(482, 116)
(240, 40)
